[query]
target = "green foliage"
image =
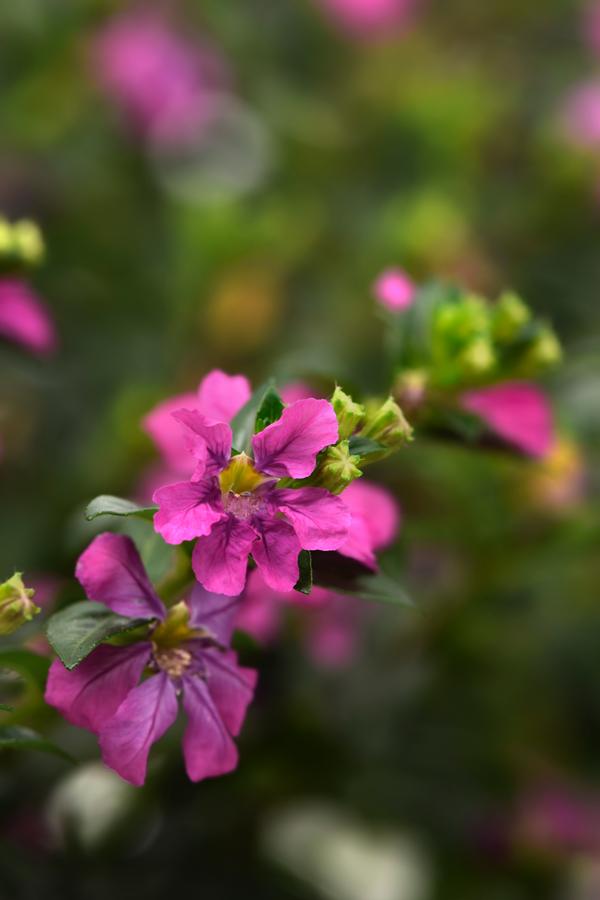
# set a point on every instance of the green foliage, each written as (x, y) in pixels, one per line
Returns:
(106, 505)
(77, 630)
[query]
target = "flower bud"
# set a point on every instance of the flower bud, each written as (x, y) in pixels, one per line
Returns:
(16, 605)
(509, 315)
(349, 414)
(28, 242)
(337, 467)
(6, 238)
(545, 350)
(386, 425)
(410, 387)
(478, 357)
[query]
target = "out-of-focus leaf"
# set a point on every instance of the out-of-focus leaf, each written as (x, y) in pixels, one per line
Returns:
(19, 738)
(4, 707)
(242, 424)
(305, 580)
(77, 630)
(106, 505)
(31, 665)
(364, 447)
(270, 410)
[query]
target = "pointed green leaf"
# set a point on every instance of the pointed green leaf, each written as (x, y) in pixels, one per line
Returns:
(270, 410)
(19, 738)
(77, 630)
(364, 447)
(242, 424)
(305, 580)
(106, 505)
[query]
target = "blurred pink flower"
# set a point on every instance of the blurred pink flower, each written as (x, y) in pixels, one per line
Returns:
(556, 818)
(394, 290)
(24, 318)
(518, 412)
(581, 115)
(370, 18)
(165, 84)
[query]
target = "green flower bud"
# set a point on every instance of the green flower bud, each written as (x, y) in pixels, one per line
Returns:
(28, 241)
(337, 467)
(509, 315)
(478, 357)
(410, 387)
(6, 238)
(16, 606)
(386, 425)
(349, 414)
(545, 351)
(461, 321)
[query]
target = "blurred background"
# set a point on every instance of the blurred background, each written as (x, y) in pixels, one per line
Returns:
(219, 184)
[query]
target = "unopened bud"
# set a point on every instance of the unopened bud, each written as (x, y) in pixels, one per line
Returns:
(16, 604)
(545, 351)
(28, 242)
(387, 425)
(337, 468)
(410, 387)
(478, 357)
(509, 315)
(6, 238)
(349, 414)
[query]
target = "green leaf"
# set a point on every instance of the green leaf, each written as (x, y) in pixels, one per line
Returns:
(31, 665)
(242, 424)
(105, 505)
(305, 581)
(157, 556)
(382, 588)
(364, 447)
(270, 410)
(77, 630)
(5, 708)
(19, 738)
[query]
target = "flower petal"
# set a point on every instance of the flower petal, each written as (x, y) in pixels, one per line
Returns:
(220, 559)
(230, 686)
(111, 572)
(259, 610)
(320, 520)
(208, 442)
(516, 411)
(167, 434)
(207, 745)
(289, 446)
(90, 695)
(215, 612)
(187, 510)
(375, 520)
(23, 317)
(142, 718)
(276, 553)
(221, 396)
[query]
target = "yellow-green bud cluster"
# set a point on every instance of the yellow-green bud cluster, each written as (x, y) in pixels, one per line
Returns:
(16, 604)
(21, 243)
(350, 415)
(337, 468)
(386, 424)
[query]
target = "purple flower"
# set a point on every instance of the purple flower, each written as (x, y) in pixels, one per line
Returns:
(186, 655)
(370, 18)
(24, 319)
(165, 85)
(234, 506)
(394, 290)
(516, 411)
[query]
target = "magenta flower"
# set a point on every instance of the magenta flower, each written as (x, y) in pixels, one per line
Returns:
(233, 506)
(165, 85)
(394, 290)
(370, 18)
(518, 412)
(376, 517)
(581, 115)
(24, 318)
(186, 655)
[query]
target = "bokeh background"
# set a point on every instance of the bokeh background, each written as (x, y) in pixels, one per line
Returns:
(457, 754)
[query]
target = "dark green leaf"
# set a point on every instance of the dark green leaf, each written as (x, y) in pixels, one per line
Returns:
(75, 631)
(270, 410)
(364, 447)
(242, 424)
(31, 665)
(105, 505)
(19, 738)
(383, 588)
(305, 581)
(5, 708)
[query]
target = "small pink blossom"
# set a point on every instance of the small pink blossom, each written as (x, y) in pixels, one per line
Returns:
(557, 818)
(164, 83)
(518, 412)
(233, 506)
(105, 694)
(394, 290)
(24, 318)
(367, 19)
(581, 115)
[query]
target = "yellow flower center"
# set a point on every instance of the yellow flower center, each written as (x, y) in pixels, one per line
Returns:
(240, 476)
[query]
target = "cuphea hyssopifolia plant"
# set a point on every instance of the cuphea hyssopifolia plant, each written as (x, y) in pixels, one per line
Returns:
(267, 490)
(466, 367)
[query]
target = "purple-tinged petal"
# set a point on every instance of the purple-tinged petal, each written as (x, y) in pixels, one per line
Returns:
(111, 572)
(320, 520)
(215, 612)
(167, 434)
(187, 510)
(375, 520)
(221, 396)
(518, 412)
(276, 553)
(208, 442)
(259, 610)
(220, 559)
(289, 447)
(359, 543)
(24, 318)
(297, 390)
(142, 718)
(207, 745)
(231, 687)
(90, 695)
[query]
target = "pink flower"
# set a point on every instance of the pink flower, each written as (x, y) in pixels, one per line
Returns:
(24, 319)
(164, 83)
(555, 818)
(518, 412)
(394, 290)
(186, 655)
(370, 18)
(581, 115)
(233, 506)
(376, 518)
